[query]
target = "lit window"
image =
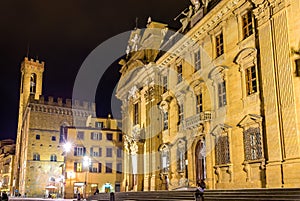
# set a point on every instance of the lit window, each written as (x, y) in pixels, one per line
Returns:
(222, 94)
(99, 124)
(33, 83)
(247, 24)
(197, 60)
(219, 45)
(36, 157)
(199, 105)
(251, 81)
(77, 167)
(53, 158)
(80, 135)
(96, 136)
(108, 152)
(108, 168)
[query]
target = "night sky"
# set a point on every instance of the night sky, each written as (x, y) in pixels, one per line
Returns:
(63, 33)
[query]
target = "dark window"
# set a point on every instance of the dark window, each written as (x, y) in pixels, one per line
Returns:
(252, 144)
(219, 45)
(108, 152)
(165, 84)
(119, 152)
(120, 137)
(297, 62)
(119, 168)
(251, 81)
(197, 60)
(166, 120)
(99, 167)
(136, 113)
(109, 136)
(53, 158)
(53, 138)
(95, 152)
(36, 157)
(222, 150)
(222, 94)
(179, 73)
(180, 113)
(199, 106)
(37, 137)
(79, 151)
(108, 168)
(80, 135)
(247, 24)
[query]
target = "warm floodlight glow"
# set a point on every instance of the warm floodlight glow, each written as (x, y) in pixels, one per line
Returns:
(67, 147)
(86, 161)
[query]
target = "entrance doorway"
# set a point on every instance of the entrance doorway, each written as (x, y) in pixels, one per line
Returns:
(200, 157)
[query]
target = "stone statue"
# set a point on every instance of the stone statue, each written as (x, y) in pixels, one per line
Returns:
(185, 21)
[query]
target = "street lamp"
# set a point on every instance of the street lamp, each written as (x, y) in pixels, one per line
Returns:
(86, 163)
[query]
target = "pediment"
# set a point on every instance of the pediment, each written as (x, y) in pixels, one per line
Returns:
(250, 119)
(220, 128)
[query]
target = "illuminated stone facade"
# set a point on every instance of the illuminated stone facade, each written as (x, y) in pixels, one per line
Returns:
(219, 104)
(7, 154)
(95, 158)
(39, 160)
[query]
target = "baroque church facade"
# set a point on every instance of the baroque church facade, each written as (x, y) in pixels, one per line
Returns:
(218, 100)
(39, 161)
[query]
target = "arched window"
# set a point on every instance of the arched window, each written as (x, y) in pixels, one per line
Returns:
(33, 83)
(165, 159)
(36, 157)
(53, 158)
(181, 156)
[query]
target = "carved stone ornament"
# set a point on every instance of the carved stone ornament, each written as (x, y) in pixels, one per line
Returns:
(133, 92)
(136, 132)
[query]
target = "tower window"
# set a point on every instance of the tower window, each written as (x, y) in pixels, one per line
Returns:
(33, 83)
(219, 45)
(297, 62)
(36, 157)
(53, 138)
(247, 24)
(53, 158)
(37, 137)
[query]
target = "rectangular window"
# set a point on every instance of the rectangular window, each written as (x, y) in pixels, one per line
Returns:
(53, 138)
(180, 113)
(99, 124)
(120, 137)
(94, 167)
(247, 24)
(199, 104)
(252, 142)
(119, 168)
(37, 137)
(79, 151)
(119, 152)
(165, 84)
(222, 150)
(136, 113)
(179, 73)
(96, 136)
(222, 94)
(80, 135)
(99, 167)
(77, 167)
(95, 151)
(251, 81)
(197, 60)
(219, 45)
(108, 152)
(108, 168)
(109, 136)
(166, 120)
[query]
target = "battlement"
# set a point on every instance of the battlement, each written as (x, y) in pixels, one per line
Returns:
(32, 62)
(60, 102)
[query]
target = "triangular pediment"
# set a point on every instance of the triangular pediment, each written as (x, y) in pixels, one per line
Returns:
(220, 128)
(250, 119)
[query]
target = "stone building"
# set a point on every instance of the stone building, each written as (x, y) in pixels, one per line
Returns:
(93, 159)
(39, 160)
(7, 154)
(215, 101)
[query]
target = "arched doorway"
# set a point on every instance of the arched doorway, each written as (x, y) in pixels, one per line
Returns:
(200, 160)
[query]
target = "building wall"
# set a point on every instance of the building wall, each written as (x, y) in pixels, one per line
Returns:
(94, 179)
(251, 141)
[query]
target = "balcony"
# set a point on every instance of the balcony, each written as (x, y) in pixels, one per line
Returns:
(196, 120)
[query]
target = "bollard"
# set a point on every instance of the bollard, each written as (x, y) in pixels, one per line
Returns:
(199, 195)
(112, 197)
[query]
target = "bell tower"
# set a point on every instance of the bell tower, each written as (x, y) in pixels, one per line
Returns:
(31, 80)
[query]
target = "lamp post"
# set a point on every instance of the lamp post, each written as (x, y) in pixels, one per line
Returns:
(86, 163)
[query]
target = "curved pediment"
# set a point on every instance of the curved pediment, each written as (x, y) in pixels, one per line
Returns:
(217, 71)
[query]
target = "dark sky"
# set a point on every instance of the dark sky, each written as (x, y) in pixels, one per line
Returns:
(63, 33)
